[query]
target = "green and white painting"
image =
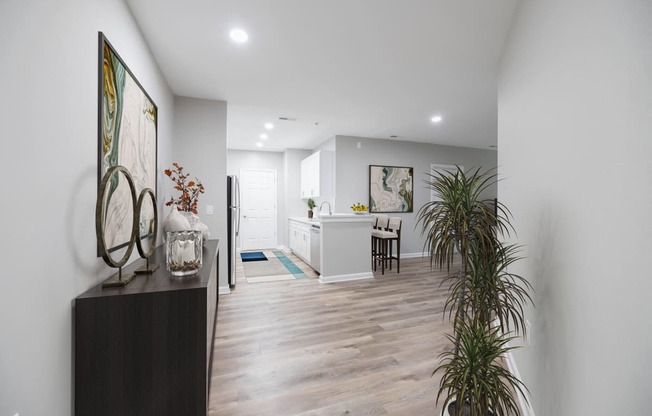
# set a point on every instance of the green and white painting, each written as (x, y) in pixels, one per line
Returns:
(127, 137)
(391, 189)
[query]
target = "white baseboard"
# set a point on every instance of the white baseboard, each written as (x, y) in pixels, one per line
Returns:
(346, 277)
(224, 290)
(413, 255)
(524, 404)
(284, 249)
(526, 408)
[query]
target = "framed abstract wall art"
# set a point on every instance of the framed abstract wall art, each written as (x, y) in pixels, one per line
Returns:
(127, 136)
(391, 189)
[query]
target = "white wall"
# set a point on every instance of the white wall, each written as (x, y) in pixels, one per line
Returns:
(244, 159)
(352, 174)
(575, 140)
(48, 114)
(200, 147)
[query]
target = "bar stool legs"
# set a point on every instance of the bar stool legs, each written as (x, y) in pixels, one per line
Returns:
(391, 256)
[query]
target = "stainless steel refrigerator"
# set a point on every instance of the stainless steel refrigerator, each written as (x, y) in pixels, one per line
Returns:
(233, 222)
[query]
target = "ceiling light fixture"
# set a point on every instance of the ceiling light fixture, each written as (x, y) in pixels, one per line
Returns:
(239, 36)
(264, 136)
(259, 144)
(269, 126)
(436, 119)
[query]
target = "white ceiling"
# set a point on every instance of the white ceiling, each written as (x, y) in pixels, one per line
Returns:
(370, 68)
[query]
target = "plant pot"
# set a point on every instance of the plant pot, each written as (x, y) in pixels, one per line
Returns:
(309, 213)
(449, 410)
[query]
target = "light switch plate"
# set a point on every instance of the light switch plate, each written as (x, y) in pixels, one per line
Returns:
(209, 210)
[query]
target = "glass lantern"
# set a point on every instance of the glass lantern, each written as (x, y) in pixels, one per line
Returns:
(183, 252)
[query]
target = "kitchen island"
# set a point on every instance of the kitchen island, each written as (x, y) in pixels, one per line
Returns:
(345, 247)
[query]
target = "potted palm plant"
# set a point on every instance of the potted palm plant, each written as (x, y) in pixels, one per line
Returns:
(311, 205)
(485, 300)
(474, 376)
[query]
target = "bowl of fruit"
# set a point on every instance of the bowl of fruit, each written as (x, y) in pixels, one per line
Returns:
(358, 208)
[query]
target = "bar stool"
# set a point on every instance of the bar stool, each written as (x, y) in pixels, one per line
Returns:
(381, 222)
(384, 240)
(374, 222)
(394, 227)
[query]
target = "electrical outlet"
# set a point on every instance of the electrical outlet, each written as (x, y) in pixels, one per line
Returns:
(209, 210)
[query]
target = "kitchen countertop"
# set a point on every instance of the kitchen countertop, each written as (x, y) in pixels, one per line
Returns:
(306, 220)
(345, 217)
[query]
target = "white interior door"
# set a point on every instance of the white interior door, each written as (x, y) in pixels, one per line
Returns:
(258, 209)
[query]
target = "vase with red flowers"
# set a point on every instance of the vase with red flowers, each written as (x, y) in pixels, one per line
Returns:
(185, 203)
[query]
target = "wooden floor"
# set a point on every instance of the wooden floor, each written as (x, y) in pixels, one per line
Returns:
(304, 348)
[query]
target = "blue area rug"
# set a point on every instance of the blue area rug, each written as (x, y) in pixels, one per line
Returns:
(253, 256)
(292, 268)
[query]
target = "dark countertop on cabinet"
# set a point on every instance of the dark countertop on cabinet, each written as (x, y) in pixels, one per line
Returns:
(161, 280)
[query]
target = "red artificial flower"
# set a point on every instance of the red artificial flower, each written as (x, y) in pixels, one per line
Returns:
(189, 197)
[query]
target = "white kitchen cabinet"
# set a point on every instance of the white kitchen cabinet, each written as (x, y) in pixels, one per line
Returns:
(307, 177)
(317, 175)
(299, 239)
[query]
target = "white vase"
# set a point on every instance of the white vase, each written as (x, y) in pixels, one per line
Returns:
(203, 228)
(175, 221)
(196, 224)
(191, 217)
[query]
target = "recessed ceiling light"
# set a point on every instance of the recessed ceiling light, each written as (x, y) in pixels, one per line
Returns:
(436, 119)
(259, 144)
(239, 36)
(264, 136)
(269, 126)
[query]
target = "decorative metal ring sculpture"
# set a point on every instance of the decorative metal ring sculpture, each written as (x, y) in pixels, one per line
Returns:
(99, 216)
(139, 207)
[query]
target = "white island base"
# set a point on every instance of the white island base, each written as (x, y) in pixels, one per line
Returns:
(345, 247)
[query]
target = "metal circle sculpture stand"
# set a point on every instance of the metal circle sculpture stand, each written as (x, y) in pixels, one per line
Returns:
(118, 279)
(147, 268)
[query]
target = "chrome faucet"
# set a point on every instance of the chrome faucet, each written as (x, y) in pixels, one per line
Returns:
(329, 207)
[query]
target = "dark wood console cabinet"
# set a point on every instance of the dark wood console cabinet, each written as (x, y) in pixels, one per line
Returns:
(146, 349)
